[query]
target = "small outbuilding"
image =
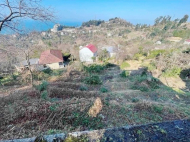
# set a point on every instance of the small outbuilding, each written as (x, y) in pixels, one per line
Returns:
(34, 64)
(87, 53)
(111, 50)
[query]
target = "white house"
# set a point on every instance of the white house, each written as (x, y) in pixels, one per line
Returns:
(111, 50)
(87, 53)
(187, 42)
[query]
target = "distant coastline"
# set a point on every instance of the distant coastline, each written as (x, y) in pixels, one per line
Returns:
(40, 26)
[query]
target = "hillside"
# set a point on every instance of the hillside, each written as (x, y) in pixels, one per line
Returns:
(146, 82)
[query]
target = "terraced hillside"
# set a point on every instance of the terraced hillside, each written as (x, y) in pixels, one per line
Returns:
(101, 96)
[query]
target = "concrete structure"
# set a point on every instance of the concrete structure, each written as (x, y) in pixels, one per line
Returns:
(87, 53)
(34, 64)
(52, 58)
(56, 28)
(158, 42)
(111, 50)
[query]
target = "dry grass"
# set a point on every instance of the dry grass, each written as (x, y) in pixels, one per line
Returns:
(25, 113)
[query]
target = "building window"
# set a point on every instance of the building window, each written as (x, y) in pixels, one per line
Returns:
(60, 63)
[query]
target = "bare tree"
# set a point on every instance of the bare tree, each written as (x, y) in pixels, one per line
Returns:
(27, 46)
(13, 10)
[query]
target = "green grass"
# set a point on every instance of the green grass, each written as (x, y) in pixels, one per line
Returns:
(124, 65)
(173, 72)
(155, 53)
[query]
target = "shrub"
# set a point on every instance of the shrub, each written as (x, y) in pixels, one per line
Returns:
(83, 88)
(103, 90)
(47, 71)
(174, 72)
(155, 53)
(181, 33)
(124, 65)
(14, 77)
(41, 76)
(135, 100)
(83, 119)
(137, 56)
(42, 86)
(151, 66)
(124, 74)
(108, 65)
(158, 108)
(94, 68)
(44, 95)
(57, 72)
(93, 80)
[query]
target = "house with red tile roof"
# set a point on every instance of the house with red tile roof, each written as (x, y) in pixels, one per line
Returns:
(187, 42)
(87, 53)
(52, 58)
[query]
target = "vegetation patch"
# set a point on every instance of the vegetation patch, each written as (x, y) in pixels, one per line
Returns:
(155, 53)
(93, 80)
(124, 65)
(124, 74)
(173, 72)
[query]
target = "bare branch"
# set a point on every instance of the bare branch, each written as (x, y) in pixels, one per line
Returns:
(23, 9)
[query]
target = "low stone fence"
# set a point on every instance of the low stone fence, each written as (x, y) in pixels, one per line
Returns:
(175, 131)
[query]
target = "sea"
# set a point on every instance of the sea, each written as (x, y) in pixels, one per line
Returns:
(29, 26)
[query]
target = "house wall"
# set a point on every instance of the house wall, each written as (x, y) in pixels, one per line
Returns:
(86, 55)
(188, 43)
(53, 65)
(112, 54)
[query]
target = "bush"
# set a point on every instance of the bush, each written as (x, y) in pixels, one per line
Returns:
(57, 72)
(41, 76)
(158, 108)
(151, 66)
(14, 77)
(94, 68)
(83, 88)
(181, 33)
(47, 71)
(135, 100)
(124, 65)
(155, 53)
(174, 72)
(124, 74)
(83, 119)
(137, 56)
(108, 65)
(42, 86)
(103, 90)
(93, 80)
(44, 95)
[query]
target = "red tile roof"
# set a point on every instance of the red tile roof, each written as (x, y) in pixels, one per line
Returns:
(188, 40)
(51, 56)
(92, 48)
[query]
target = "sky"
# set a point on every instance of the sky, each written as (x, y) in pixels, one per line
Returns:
(74, 12)
(134, 11)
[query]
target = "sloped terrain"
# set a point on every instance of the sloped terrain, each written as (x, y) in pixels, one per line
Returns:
(69, 104)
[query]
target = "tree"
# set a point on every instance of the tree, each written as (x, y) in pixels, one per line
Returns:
(11, 11)
(26, 45)
(183, 20)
